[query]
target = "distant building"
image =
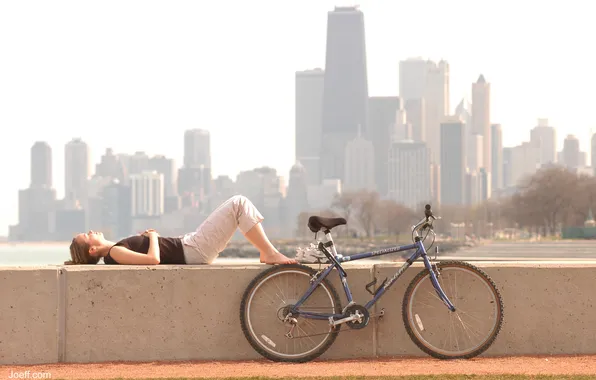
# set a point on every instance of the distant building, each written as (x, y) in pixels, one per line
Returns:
(41, 165)
(409, 173)
(453, 162)
(345, 93)
(308, 114)
(147, 194)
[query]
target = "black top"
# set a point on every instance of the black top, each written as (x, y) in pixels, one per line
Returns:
(171, 250)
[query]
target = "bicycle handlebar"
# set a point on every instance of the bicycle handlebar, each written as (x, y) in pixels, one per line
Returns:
(426, 222)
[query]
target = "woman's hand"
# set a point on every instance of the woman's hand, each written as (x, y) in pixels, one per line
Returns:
(150, 232)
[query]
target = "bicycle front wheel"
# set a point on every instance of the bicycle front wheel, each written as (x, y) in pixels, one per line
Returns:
(470, 329)
(266, 302)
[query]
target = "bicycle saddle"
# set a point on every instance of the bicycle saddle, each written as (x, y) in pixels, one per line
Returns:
(316, 223)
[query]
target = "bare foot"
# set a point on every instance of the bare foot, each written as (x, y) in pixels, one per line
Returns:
(273, 258)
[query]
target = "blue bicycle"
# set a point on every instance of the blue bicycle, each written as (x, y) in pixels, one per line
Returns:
(292, 313)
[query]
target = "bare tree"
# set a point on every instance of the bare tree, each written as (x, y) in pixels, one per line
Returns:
(344, 204)
(366, 202)
(302, 220)
(393, 218)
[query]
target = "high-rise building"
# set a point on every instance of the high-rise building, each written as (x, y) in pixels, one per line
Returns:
(485, 179)
(77, 163)
(571, 152)
(147, 193)
(427, 83)
(507, 167)
(359, 165)
(416, 117)
(593, 153)
(524, 161)
(463, 111)
(402, 130)
(382, 112)
(496, 140)
(309, 106)
(197, 148)
(453, 162)
(111, 166)
(544, 138)
(409, 173)
(345, 94)
(481, 118)
(475, 152)
(41, 165)
(297, 199)
(472, 181)
(167, 167)
(138, 163)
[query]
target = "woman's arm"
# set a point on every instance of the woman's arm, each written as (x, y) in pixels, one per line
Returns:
(125, 256)
(153, 246)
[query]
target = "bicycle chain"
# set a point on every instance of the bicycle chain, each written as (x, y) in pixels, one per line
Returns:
(340, 331)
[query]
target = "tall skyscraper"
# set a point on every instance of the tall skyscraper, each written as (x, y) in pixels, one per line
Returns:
(496, 140)
(544, 138)
(409, 173)
(77, 163)
(453, 162)
(427, 83)
(309, 113)
(475, 152)
(345, 94)
(197, 148)
(382, 112)
(41, 165)
(481, 118)
(147, 194)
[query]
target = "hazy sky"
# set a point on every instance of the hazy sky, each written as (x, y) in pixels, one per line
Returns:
(133, 75)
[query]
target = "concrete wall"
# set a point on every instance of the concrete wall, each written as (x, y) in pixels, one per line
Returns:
(117, 313)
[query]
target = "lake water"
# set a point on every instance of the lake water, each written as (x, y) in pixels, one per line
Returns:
(55, 254)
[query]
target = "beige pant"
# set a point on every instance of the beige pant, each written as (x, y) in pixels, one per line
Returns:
(213, 235)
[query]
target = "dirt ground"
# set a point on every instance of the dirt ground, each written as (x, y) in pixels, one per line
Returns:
(531, 365)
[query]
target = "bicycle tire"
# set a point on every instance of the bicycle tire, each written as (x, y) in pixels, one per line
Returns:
(244, 318)
(483, 346)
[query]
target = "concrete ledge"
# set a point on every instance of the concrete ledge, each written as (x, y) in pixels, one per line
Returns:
(28, 315)
(137, 313)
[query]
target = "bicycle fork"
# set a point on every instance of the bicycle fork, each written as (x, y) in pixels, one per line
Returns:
(434, 279)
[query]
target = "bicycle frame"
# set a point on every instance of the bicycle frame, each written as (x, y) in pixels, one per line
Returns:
(420, 252)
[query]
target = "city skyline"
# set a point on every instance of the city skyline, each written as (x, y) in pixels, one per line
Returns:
(106, 119)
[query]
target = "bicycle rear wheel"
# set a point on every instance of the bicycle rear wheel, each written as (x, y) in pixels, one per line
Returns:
(465, 333)
(265, 304)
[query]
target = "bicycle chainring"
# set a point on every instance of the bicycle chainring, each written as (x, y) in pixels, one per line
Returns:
(357, 325)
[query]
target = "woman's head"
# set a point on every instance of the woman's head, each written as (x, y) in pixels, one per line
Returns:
(86, 248)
